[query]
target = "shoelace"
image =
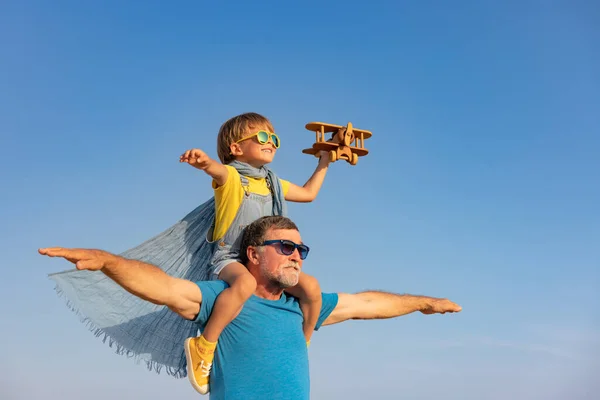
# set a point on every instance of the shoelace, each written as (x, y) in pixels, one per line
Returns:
(205, 368)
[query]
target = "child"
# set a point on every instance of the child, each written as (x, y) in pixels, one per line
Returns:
(245, 190)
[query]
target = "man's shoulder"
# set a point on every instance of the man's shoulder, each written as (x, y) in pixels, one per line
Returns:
(209, 291)
(211, 288)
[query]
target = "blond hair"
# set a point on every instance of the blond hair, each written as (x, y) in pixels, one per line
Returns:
(234, 129)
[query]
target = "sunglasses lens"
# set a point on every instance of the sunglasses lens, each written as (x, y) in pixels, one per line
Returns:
(287, 247)
(263, 137)
(303, 250)
(275, 139)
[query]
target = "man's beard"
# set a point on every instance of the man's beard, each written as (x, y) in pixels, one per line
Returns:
(285, 276)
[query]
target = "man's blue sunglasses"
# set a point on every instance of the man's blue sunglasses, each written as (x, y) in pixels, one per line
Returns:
(287, 247)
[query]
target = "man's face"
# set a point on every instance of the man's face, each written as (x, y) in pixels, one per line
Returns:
(276, 266)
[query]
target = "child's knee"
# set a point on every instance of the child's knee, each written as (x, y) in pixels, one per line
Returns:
(245, 286)
(312, 288)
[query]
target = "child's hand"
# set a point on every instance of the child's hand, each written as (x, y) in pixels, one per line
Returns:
(196, 158)
(336, 138)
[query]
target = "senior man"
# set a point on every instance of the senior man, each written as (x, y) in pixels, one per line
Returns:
(262, 353)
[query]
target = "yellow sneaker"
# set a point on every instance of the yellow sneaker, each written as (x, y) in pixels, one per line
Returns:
(199, 354)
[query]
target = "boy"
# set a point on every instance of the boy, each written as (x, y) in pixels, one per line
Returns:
(245, 190)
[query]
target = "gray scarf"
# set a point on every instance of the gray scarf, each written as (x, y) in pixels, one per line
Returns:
(279, 204)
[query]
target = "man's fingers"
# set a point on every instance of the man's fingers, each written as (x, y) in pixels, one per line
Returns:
(453, 307)
(72, 255)
(54, 251)
(442, 306)
(92, 264)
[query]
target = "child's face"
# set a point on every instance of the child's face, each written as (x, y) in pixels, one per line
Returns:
(251, 151)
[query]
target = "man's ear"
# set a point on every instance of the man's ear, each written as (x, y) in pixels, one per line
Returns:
(253, 254)
(235, 149)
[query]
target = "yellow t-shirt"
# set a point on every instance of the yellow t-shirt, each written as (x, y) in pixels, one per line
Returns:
(228, 198)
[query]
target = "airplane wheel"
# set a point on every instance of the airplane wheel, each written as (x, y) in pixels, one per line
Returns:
(332, 156)
(354, 159)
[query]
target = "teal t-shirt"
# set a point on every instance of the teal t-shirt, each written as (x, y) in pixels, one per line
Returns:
(262, 353)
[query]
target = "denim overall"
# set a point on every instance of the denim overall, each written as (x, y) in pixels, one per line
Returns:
(253, 207)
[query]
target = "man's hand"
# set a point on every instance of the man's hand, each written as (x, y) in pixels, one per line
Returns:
(143, 280)
(196, 158)
(93, 260)
(440, 306)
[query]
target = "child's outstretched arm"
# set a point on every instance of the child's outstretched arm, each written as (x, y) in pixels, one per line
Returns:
(308, 192)
(199, 159)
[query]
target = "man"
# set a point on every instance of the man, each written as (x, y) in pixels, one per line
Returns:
(262, 354)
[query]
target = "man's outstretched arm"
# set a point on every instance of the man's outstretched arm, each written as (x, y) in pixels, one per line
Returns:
(382, 305)
(143, 280)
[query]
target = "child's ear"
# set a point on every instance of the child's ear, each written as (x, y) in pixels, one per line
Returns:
(236, 149)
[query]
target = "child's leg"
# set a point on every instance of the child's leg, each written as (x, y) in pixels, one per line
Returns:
(308, 293)
(200, 351)
(231, 300)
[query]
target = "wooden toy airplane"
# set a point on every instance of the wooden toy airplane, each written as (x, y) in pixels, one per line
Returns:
(347, 145)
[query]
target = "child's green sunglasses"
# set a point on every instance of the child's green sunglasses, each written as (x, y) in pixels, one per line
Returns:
(263, 137)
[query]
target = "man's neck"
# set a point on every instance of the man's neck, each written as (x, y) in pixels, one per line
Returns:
(268, 291)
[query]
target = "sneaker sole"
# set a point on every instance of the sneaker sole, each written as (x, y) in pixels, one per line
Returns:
(202, 389)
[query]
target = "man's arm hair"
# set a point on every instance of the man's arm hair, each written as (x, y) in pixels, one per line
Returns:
(143, 280)
(152, 284)
(383, 305)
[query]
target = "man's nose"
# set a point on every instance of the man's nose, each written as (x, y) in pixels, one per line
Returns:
(295, 256)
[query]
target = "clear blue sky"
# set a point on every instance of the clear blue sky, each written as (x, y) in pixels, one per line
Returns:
(481, 184)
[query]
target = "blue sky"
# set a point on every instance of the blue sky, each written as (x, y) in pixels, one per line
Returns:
(481, 184)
